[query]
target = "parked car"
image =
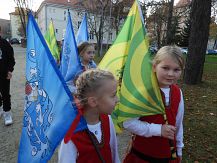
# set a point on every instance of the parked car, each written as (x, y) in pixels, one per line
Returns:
(211, 52)
(14, 41)
(153, 49)
(184, 50)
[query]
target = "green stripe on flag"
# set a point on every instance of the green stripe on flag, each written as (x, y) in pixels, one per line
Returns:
(51, 42)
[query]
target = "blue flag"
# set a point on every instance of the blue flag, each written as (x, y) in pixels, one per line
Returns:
(49, 111)
(82, 34)
(70, 62)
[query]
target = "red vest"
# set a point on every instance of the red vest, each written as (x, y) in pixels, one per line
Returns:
(156, 146)
(85, 147)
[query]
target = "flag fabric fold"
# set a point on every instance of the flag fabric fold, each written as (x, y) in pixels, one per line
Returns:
(49, 109)
(82, 34)
(70, 62)
(52, 43)
(129, 60)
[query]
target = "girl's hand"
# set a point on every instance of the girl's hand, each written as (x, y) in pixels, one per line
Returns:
(9, 75)
(168, 131)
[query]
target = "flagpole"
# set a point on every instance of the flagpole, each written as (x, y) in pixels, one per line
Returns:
(110, 12)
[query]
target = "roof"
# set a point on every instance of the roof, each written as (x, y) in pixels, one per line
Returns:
(62, 2)
(183, 3)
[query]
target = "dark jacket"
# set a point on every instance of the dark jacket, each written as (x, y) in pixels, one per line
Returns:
(7, 60)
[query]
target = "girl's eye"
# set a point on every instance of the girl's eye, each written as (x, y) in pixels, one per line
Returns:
(91, 52)
(114, 95)
(165, 68)
(177, 70)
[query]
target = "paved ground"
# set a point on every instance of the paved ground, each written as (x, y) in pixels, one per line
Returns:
(10, 136)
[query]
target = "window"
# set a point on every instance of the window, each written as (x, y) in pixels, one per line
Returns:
(91, 36)
(56, 30)
(79, 23)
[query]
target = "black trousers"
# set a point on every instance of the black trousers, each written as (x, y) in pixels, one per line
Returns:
(5, 97)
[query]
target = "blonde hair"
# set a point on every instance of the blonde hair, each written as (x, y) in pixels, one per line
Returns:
(171, 51)
(91, 81)
(83, 47)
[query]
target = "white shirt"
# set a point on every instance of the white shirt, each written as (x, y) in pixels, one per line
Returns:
(68, 152)
(146, 129)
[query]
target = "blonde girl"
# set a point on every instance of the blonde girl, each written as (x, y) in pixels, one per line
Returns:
(152, 138)
(96, 91)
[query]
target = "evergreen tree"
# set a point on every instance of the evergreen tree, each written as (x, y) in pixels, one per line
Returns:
(185, 34)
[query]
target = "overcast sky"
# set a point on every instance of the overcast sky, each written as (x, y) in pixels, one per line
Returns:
(7, 6)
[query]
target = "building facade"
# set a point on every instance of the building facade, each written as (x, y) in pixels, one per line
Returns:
(5, 28)
(57, 10)
(15, 24)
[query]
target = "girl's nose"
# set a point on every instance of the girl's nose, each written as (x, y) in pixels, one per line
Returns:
(170, 73)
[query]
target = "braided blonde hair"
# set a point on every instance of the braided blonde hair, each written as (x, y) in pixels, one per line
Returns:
(91, 81)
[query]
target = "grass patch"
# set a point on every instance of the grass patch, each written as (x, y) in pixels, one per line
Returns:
(211, 59)
(200, 121)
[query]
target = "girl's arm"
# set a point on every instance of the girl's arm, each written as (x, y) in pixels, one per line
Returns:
(179, 127)
(67, 152)
(142, 128)
(113, 142)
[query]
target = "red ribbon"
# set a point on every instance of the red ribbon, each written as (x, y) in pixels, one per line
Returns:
(74, 123)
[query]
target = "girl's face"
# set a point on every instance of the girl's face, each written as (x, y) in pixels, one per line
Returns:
(88, 54)
(107, 98)
(168, 71)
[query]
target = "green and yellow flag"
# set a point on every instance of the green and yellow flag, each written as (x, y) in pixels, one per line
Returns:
(130, 61)
(51, 42)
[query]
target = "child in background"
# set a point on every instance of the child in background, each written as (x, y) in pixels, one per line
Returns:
(151, 143)
(96, 91)
(86, 52)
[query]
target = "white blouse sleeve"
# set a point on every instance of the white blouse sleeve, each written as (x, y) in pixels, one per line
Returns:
(67, 152)
(179, 126)
(113, 142)
(142, 128)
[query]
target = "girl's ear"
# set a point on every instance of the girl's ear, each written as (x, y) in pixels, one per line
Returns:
(92, 102)
(154, 67)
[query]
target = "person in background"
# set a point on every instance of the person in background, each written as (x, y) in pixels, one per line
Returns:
(86, 52)
(7, 63)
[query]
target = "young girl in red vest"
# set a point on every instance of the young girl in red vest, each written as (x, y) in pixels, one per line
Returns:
(96, 91)
(152, 137)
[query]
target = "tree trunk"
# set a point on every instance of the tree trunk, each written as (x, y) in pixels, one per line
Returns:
(200, 20)
(169, 23)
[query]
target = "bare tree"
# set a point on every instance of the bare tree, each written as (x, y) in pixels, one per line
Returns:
(200, 20)
(23, 8)
(105, 16)
(156, 21)
(98, 18)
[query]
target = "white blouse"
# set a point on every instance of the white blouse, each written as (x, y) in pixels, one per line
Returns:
(150, 129)
(68, 152)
